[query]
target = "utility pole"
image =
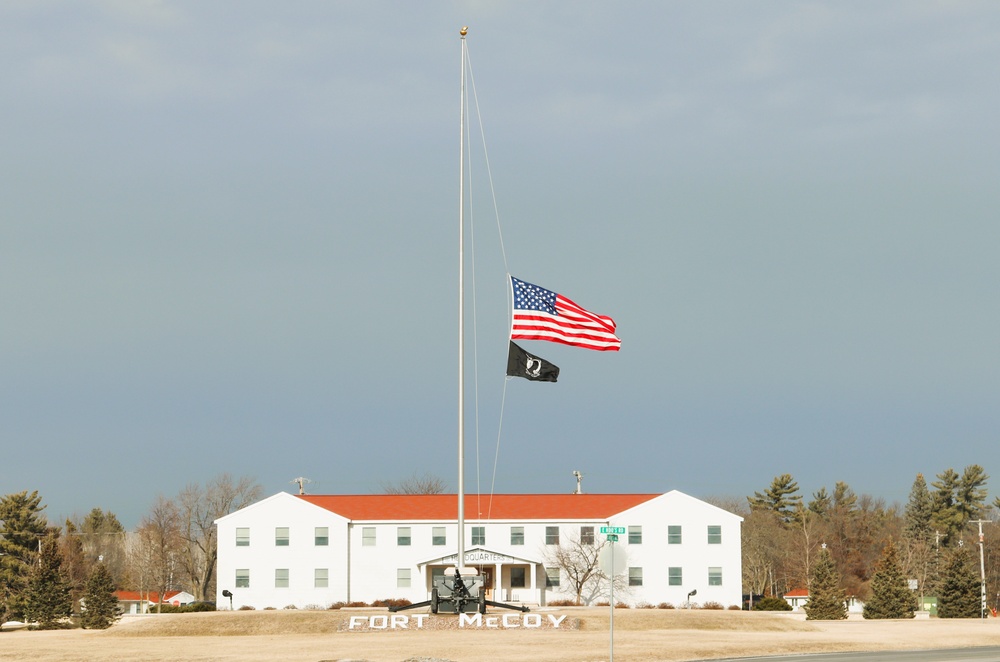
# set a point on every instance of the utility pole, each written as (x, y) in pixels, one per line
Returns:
(982, 568)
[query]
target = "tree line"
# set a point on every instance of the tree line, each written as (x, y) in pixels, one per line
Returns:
(47, 571)
(933, 539)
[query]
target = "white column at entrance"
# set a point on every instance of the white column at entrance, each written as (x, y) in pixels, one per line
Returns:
(498, 595)
(534, 589)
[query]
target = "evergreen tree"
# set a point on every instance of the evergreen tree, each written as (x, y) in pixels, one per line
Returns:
(781, 498)
(22, 529)
(919, 509)
(960, 595)
(947, 517)
(826, 598)
(970, 497)
(844, 498)
(103, 540)
(891, 597)
(48, 592)
(101, 606)
(821, 502)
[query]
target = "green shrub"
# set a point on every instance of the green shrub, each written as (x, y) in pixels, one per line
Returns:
(771, 603)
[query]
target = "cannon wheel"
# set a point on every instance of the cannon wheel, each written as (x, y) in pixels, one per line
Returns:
(482, 602)
(434, 601)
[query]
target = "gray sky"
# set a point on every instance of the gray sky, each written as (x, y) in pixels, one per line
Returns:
(228, 242)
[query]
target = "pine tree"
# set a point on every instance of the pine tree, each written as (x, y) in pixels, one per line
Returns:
(826, 598)
(821, 502)
(947, 516)
(48, 592)
(960, 595)
(23, 527)
(891, 597)
(101, 605)
(781, 498)
(919, 510)
(970, 497)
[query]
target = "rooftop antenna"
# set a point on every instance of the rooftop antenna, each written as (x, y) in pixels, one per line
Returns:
(301, 483)
(579, 482)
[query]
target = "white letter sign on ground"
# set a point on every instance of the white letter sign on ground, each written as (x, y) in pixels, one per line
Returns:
(420, 621)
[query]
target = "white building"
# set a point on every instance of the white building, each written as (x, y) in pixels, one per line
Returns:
(313, 551)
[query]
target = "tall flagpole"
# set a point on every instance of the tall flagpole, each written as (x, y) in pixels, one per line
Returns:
(460, 558)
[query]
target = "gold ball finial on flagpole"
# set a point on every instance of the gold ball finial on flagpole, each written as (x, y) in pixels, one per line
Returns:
(464, 31)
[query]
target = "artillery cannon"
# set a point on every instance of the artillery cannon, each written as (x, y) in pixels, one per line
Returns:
(462, 593)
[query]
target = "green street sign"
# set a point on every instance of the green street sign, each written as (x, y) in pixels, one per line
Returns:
(613, 529)
(612, 537)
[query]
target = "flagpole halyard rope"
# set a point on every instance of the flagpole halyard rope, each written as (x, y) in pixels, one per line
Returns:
(475, 342)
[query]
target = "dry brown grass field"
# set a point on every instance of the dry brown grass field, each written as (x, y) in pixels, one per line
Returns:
(584, 636)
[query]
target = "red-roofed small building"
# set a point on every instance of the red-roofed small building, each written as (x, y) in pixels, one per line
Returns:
(316, 550)
(797, 598)
(144, 602)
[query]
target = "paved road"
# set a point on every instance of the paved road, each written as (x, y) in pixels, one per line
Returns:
(984, 654)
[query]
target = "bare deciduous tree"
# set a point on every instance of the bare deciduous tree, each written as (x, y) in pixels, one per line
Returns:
(579, 563)
(425, 484)
(158, 550)
(198, 508)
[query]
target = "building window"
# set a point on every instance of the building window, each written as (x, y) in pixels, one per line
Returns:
(281, 578)
(552, 577)
(403, 536)
(552, 536)
(438, 536)
(242, 536)
(368, 536)
(715, 576)
(635, 576)
(321, 578)
(322, 536)
(479, 535)
(586, 535)
(281, 536)
(402, 578)
(674, 534)
(635, 535)
(714, 535)
(675, 577)
(243, 578)
(517, 577)
(437, 576)
(517, 535)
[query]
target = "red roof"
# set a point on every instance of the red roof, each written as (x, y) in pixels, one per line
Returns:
(444, 507)
(150, 596)
(797, 593)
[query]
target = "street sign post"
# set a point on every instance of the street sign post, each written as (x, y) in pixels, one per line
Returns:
(612, 566)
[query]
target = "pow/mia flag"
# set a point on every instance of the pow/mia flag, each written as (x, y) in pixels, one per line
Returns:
(529, 366)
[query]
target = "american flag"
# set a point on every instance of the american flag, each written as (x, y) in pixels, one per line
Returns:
(541, 314)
